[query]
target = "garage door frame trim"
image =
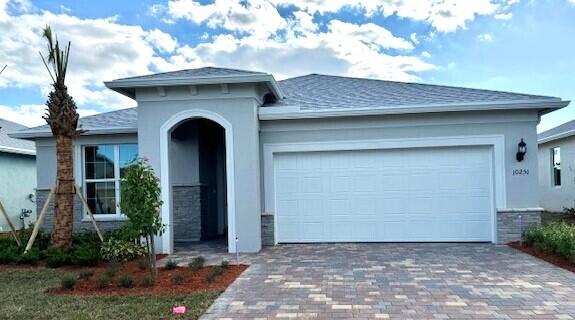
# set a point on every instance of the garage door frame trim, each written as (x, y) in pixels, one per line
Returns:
(497, 142)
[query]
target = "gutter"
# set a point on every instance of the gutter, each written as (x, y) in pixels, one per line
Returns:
(48, 134)
(296, 112)
(121, 85)
(556, 136)
(17, 150)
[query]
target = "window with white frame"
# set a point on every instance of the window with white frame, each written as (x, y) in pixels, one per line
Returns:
(104, 166)
(556, 165)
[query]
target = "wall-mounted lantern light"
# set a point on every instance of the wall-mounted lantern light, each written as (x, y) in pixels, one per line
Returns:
(521, 150)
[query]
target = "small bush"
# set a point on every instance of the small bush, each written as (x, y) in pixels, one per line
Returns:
(9, 254)
(84, 275)
(554, 238)
(111, 269)
(143, 263)
(56, 258)
(31, 257)
(121, 250)
(197, 263)
(214, 273)
(102, 282)
(171, 265)
(125, 281)
(68, 282)
(177, 278)
(225, 263)
(148, 281)
(85, 254)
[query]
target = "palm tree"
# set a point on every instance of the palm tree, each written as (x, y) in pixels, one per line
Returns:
(63, 120)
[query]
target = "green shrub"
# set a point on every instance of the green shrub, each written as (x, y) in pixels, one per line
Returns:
(102, 282)
(56, 258)
(68, 282)
(111, 269)
(85, 275)
(9, 254)
(177, 278)
(85, 254)
(171, 265)
(148, 281)
(225, 263)
(125, 281)
(197, 263)
(143, 263)
(214, 273)
(86, 238)
(121, 250)
(554, 238)
(31, 257)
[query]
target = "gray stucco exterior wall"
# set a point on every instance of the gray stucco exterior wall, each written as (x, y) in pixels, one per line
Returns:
(239, 107)
(521, 192)
(18, 181)
(555, 198)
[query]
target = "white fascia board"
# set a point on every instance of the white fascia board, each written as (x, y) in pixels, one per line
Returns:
(118, 85)
(557, 136)
(295, 112)
(47, 134)
(17, 150)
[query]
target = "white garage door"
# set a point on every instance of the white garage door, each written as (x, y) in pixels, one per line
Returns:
(424, 194)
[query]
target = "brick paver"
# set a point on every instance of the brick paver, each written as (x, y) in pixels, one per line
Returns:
(397, 281)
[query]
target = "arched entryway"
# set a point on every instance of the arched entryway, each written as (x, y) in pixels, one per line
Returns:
(197, 181)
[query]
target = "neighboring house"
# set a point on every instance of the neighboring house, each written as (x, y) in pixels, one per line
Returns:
(312, 159)
(17, 176)
(557, 167)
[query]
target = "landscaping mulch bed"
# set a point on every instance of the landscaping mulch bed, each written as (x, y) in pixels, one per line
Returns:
(553, 259)
(193, 281)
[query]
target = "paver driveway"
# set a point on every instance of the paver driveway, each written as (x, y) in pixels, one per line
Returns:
(398, 281)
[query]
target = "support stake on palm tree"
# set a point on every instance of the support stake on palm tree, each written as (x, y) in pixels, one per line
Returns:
(3, 68)
(62, 117)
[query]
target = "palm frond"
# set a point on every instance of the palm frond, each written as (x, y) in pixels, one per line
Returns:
(57, 59)
(3, 68)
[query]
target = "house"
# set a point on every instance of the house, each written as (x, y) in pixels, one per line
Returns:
(314, 158)
(557, 167)
(17, 177)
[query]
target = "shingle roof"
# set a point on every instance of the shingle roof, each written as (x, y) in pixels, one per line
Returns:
(119, 120)
(559, 132)
(316, 91)
(194, 73)
(12, 145)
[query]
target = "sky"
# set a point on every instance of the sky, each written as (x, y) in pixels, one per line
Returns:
(510, 45)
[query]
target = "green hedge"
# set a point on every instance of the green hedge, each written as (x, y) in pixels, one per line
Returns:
(554, 238)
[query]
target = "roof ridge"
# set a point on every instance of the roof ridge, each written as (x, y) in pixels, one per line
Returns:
(190, 69)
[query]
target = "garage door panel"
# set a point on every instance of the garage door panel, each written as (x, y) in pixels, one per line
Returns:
(425, 194)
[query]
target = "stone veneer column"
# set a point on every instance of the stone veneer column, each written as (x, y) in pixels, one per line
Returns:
(508, 226)
(268, 229)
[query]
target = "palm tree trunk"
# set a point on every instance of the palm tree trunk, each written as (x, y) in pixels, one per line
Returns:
(64, 201)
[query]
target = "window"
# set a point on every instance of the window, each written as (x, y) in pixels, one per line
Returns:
(556, 165)
(103, 168)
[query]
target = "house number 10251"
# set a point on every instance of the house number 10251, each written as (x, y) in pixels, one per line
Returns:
(520, 172)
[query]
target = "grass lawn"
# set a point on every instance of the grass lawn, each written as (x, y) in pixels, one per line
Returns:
(22, 296)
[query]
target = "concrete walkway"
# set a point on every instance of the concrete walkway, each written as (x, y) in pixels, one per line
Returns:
(397, 281)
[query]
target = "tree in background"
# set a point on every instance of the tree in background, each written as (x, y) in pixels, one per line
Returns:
(140, 202)
(62, 118)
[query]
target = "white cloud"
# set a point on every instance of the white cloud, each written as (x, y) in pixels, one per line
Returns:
(485, 37)
(505, 16)
(413, 38)
(426, 54)
(254, 16)
(31, 115)
(443, 15)
(101, 49)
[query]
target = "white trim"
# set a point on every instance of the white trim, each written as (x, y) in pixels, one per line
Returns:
(295, 111)
(121, 84)
(168, 237)
(18, 151)
(557, 136)
(46, 134)
(497, 142)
